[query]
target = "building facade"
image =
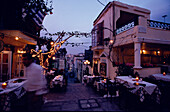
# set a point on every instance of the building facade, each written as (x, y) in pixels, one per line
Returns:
(20, 25)
(137, 41)
(78, 66)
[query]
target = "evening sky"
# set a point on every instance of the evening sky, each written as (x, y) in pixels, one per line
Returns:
(78, 15)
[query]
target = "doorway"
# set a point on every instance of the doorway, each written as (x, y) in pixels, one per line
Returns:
(5, 65)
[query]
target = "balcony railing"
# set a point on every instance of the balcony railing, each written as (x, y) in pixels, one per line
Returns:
(125, 27)
(159, 25)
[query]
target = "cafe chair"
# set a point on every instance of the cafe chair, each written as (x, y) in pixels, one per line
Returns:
(102, 89)
(127, 100)
(112, 89)
(97, 79)
(150, 79)
(164, 87)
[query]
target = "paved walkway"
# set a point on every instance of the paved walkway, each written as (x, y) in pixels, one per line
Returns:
(77, 97)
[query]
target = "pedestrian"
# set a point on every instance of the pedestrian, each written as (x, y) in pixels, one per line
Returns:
(36, 85)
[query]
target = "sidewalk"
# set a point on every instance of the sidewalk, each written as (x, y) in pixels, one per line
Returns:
(78, 97)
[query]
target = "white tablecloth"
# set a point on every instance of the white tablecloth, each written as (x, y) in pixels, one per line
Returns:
(97, 83)
(162, 77)
(149, 86)
(140, 90)
(57, 80)
(88, 78)
(13, 90)
(51, 72)
(12, 86)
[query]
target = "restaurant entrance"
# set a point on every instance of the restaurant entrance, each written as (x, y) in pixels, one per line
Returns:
(5, 65)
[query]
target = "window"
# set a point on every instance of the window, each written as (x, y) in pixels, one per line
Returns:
(19, 71)
(5, 65)
(98, 35)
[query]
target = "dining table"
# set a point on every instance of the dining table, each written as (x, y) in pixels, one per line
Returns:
(100, 84)
(58, 80)
(88, 78)
(51, 72)
(140, 87)
(13, 91)
(162, 77)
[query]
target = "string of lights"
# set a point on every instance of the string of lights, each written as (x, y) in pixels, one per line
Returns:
(54, 48)
(63, 34)
(75, 33)
(76, 44)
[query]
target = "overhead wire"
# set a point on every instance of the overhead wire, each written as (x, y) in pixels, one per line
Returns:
(101, 3)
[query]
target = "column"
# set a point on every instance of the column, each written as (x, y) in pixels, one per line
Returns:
(137, 47)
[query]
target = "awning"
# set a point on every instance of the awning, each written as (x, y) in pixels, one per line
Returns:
(9, 38)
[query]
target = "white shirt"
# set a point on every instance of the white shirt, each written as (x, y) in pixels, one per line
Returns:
(35, 79)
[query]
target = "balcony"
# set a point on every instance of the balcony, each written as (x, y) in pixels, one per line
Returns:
(158, 25)
(125, 27)
(98, 37)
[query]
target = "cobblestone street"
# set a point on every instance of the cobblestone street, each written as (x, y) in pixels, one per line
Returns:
(77, 97)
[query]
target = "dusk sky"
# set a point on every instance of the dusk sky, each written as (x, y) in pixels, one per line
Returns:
(78, 15)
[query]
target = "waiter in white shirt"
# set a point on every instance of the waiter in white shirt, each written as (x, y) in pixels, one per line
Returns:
(36, 84)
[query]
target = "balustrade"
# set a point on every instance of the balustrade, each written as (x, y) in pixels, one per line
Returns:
(156, 24)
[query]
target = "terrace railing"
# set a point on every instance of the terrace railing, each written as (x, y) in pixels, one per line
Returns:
(159, 25)
(125, 27)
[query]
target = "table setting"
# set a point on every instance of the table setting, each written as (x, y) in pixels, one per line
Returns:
(163, 76)
(57, 80)
(11, 85)
(88, 78)
(51, 72)
(10, 90)
(140, 87)
(100, 83)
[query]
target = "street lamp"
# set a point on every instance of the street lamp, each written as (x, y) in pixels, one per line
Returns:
(86, 63)
(109, 42)
(106, 41)
(164, 16)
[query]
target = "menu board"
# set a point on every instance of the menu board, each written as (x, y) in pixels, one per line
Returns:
(103, 68)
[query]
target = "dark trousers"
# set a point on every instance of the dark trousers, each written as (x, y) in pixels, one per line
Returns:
(27, 103)
(33, 102)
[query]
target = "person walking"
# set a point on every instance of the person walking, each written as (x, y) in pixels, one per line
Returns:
(36, 85)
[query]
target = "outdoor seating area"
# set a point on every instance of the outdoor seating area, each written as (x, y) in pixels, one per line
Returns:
(132, 93)
(163, 83)
(55, 81)
(11, 91)
(101, 85)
